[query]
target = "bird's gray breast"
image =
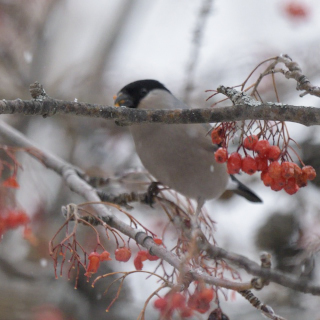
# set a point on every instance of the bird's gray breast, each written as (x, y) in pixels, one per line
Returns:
(181, 157)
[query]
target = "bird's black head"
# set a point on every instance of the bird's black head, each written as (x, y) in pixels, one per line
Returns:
(130, 95)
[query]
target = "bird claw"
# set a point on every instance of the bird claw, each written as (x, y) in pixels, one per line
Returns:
(152, 191)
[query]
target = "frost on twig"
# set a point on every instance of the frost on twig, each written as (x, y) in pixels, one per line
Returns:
(295, 72)
(37, 91)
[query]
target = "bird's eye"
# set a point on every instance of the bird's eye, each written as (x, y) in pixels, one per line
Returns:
(143, 92)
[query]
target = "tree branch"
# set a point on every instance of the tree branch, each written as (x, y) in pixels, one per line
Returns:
(295, 72)
(253, 268)
(304, 115)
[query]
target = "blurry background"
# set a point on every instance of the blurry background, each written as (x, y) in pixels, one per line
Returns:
(88, 50)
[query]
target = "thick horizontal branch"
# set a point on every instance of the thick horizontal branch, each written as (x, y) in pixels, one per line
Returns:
(307, 116)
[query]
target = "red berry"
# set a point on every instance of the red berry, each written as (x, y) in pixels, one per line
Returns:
(178, 300)
(122, 254)
(94, 255)
(217, 135)
(221, 155)
(250, 142)
(296, 10)
(158, 241)
(265, 177)
(160, 303)
(94, 263)
(186, 312)
(206, 295)
(23, 218)
(15, 218)
(234, 163)
(152, 257)
(249, 165)
(197, 304)
(297, 170)
(105, 256)
(262, 164)
(275, 186)
(143, 255)
(11, 182)
(138, 263)
(291, 187)
(203, 307)
(310, 172)
(287, 170)
(274, 153)
(193, 301)
(281, 182)
(275, 170)
(262, 148)
(302, 180)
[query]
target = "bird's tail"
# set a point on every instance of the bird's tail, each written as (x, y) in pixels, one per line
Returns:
(243, 191)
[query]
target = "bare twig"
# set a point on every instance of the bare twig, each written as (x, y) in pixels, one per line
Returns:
(195, 46)
(295, 72)
(253, 268)
(266, 310)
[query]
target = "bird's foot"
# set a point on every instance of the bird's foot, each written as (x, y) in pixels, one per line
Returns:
(152, 191)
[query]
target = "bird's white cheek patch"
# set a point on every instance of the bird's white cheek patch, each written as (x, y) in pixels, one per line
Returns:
(212, 168)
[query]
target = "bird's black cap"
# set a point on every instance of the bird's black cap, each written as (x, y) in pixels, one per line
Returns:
(131, 94)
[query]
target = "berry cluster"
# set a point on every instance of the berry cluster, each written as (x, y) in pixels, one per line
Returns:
(12, 219)
(11, 182)
(199, 301)
(277, 175)
(122, 254)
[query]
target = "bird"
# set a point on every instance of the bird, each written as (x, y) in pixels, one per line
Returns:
(180, 156)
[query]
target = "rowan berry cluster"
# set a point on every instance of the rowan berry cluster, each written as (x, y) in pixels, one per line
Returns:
(199, 301)
(11, 182)
(268, 159)
(12, 219)
(122, 254)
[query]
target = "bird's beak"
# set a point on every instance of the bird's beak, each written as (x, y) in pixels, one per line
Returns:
(123, 100)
